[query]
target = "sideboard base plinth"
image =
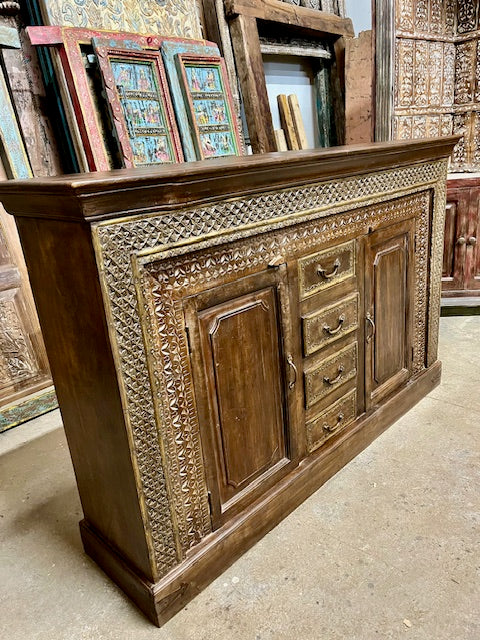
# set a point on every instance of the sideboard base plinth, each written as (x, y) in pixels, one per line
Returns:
(161, 600)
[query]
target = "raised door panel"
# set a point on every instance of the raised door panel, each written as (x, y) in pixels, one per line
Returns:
(388, 292)
(455, 238)
(472, 238)
(238, 334)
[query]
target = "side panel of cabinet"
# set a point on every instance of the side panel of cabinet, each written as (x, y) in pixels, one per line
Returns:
(239, 341)
(388, 301)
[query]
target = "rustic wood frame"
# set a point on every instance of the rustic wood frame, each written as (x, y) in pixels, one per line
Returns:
(170, 50)
(181, 61)
(122, 50)
(384, 38)
(69, 40)
(243, 16)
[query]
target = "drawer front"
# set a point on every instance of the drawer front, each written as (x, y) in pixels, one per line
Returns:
(330, 374)
(330, 324)
(326, 268)
(332, 420)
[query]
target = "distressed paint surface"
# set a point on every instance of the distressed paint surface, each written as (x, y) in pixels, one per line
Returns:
(10, 137)
(166, 17)
(170, 50)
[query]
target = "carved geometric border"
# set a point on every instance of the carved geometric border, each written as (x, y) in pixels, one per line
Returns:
(171, 525)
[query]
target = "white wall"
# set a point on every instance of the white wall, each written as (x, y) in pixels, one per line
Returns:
(360, 11)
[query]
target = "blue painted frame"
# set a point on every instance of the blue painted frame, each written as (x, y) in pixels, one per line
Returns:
(169, 53)
(17, 163)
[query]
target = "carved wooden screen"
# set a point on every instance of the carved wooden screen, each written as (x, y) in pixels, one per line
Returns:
(436, 76)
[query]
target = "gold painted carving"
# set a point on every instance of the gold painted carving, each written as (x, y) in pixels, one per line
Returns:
(164, 17)
(316, 334)
(161, 415)
(332, 420)
(329, 374)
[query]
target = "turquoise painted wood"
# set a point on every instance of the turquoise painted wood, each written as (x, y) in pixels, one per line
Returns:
(169, 53)
(16, 160)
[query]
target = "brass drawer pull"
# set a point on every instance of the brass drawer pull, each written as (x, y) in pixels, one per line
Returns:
(329, 428)
(292, 383)
(332, 332)
(321, 271)
(372, 323)
(327, 380)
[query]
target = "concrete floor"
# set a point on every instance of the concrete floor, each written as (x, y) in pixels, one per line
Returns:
(388, 548)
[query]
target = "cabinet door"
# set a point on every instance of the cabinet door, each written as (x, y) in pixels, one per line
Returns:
(453, 272)
(245, 386)
(388, 306)
(471, 247)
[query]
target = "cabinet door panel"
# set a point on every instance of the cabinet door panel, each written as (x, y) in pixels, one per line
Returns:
(239, 340)
(388, 290)
(472, 249)
(454, 251)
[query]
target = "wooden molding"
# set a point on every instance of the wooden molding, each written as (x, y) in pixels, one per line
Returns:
(276, 11)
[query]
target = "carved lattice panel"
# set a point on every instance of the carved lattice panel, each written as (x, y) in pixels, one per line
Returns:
(437, 74)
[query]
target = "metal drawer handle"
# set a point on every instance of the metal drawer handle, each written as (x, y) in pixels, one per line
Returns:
(332, 332)
(372, 323)
(461, 240)
(292, 383)
(330, 429)
(321, 271)
(327, 380)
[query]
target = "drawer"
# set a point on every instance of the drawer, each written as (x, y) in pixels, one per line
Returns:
(332, 420)
(326, 268)
(329, 324)
(330, 374)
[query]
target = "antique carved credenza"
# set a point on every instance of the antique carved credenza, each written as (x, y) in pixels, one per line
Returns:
(224, 336)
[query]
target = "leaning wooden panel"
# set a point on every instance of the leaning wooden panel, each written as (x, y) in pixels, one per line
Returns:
(170, 17)
(152, 243)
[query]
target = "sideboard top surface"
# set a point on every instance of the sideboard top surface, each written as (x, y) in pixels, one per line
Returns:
(103, 195)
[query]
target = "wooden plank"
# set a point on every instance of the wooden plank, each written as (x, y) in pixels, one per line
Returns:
(280, 140)
(298, 121)
(9, 37)
(276, 11)
(248, 57)
(29, 100)
(287, 122)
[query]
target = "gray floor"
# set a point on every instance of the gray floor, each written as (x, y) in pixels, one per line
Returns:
(388, 548)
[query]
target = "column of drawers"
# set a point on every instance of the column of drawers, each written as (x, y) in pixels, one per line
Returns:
(330, 310)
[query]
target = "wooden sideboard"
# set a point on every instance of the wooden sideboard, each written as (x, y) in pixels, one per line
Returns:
(461, 256)
(225, 336)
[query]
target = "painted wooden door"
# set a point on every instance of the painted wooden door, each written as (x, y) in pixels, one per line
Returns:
(245, 384)
(389, 307)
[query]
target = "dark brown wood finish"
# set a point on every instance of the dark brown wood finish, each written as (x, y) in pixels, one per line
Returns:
(389, 304)
(461, 261)
(188, 288)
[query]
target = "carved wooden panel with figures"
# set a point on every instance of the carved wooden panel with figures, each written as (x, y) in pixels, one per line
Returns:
(194, 400)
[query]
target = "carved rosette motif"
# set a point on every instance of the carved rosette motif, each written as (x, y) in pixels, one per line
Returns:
(161, 416)
(166, 17)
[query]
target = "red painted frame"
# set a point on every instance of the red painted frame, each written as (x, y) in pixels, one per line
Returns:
(68, 41)
(105, 52)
